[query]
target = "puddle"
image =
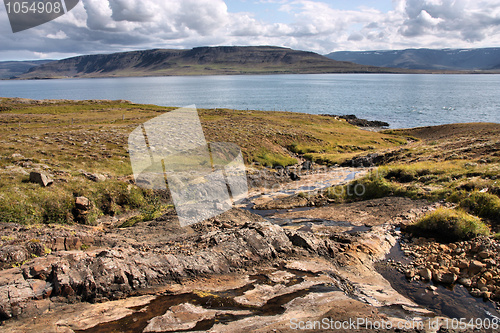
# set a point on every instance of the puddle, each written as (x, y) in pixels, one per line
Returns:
(265, 213)
(452, 302)
(308, 184)
(308, 224)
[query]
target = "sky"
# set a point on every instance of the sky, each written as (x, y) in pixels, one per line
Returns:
(106, 26)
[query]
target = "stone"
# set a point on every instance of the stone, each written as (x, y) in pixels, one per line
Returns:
(294, 176)
(93, 315)
(488, 276)
(82, 203)
(443, 277)
(476, 293)
(484, 254)
(425, 274)
(481, 283)
(180, 317)
(58, 244)
(307, 165)
(410, 274)
(40, 179)
(39, 288)
(13, 254)
(72, 243)
(95, 177)
(455, 270)
(475, 267)
(448, 278)
(465, 282)
(102, 275)
(308, 241)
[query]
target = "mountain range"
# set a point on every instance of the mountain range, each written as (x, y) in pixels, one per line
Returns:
(221, 60)
(231, 60)
(484, 59)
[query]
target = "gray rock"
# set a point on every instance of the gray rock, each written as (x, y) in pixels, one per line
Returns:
(115, 273)
(95, 177)
(307, 165)
(40, 179)
(82, 203)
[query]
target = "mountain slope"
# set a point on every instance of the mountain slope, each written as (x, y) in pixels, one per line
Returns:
(198, 61)
(10, 69)
(445, 59)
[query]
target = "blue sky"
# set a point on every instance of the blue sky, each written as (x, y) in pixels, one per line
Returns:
(269, 10)
(105, 26)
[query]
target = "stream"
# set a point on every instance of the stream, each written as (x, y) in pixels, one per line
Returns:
(453, 302)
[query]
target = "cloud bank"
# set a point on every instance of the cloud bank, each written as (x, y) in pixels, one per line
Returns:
(99, 26)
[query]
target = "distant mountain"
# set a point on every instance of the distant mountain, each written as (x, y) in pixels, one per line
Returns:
(9, 69)
(197, 61)
(429, 59)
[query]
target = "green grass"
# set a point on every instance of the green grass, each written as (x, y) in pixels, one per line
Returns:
(31, 204)
(369, 187)
(67, 137)
(427, 180)
(272, 160)
(449, 225)
(484, 205)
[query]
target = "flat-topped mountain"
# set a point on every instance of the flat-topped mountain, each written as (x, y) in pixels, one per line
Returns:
(484, 59)
(197, 61)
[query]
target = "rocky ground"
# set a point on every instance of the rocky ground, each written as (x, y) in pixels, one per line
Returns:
(234, 273)
(284, 260)
(473, 264)
(284, 274)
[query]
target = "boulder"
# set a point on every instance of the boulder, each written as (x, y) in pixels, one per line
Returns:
(82, 203)
(40, 179)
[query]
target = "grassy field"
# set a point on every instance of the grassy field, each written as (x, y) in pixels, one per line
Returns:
(71, 140)
(458, 163)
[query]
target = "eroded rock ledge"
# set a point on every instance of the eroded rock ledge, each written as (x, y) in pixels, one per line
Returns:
(100, 275)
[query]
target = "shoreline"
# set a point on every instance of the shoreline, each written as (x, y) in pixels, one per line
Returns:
(412, 72)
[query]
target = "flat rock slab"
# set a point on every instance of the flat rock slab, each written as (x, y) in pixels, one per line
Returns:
(104, 312)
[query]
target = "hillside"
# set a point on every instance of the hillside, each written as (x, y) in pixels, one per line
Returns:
(10, 69)
(427, 59)
(197, 61)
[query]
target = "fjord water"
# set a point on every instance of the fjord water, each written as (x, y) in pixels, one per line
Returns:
(401, 100)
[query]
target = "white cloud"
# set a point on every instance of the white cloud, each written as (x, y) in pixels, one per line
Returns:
(115, 25)
(58, 35)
